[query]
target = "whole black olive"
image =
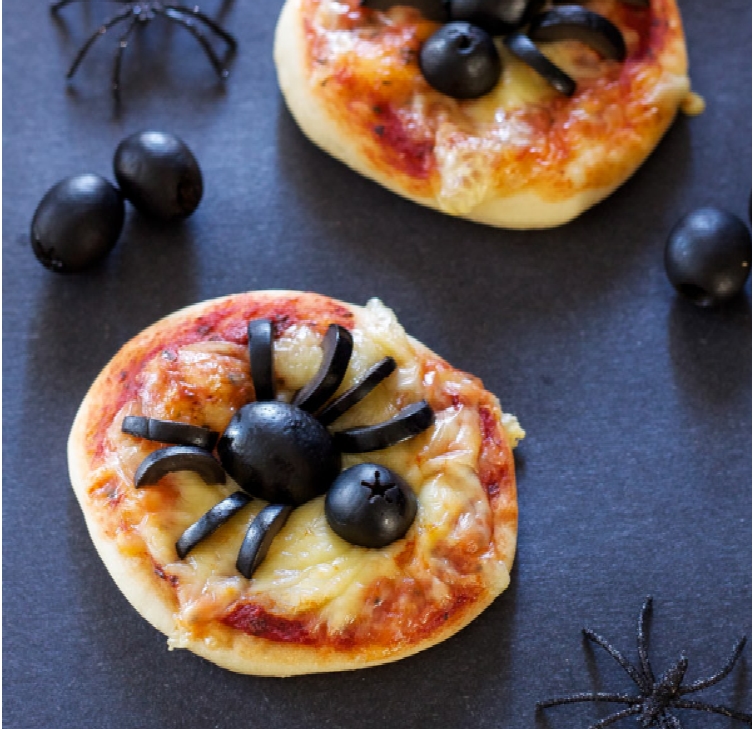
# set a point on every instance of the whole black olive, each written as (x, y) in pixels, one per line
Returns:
(77, 223)
(497, 17)
(460, 60)
(159, 175)
(370, 505)
(279, 453)
(708, 256)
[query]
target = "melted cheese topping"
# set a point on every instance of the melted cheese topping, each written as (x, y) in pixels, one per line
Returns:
(309, 569)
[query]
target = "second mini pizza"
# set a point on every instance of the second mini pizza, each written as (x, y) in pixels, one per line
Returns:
(283, 483)
(568, 104)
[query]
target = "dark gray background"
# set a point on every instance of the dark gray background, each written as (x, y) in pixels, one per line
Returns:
(635, 476)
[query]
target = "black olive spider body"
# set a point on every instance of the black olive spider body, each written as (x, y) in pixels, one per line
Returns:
(283, 453)
(657, 697)
(140, 12)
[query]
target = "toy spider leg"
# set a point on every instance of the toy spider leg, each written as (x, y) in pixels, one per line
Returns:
(144, 11)
(657, 697)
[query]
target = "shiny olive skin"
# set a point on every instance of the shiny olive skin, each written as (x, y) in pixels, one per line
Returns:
(708, 256)
(158, 175)
(279, 453)
(460, 60)
(497, 17)
(77, 223)
(370, 506)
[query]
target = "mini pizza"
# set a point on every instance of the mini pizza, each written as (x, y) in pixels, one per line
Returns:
(513, 113)
(285, 484)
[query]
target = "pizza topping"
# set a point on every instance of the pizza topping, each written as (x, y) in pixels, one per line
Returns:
(169, 431)
(370, 505)
(260, 358)
(708, 256)
(524, 48)
(384, 368)
(178, 458)
(436, 10)
(337, 347)
(412, 420)
(77, 223)
(259, 537)
(279, 453)
(159, 175)
(572, 22)
(497, 17)
(460, 60)
(210, 522)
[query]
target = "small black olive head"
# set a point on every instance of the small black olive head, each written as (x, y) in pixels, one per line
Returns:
(279, 453)
(708, 256)
(77, 223)
(460, 60)
(370, 505)
(159, 175)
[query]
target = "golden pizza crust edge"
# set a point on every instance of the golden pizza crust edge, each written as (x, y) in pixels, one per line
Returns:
(153, 598)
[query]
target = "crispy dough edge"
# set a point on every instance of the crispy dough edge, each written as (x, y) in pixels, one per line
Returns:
(152, 597)
(525, 210)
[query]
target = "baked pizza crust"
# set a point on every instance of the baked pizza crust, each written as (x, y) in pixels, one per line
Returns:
(140, 579)
(562, 188)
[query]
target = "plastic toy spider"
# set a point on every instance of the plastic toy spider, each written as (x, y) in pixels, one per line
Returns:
(657, 697)
(284, 454)
(141, 12)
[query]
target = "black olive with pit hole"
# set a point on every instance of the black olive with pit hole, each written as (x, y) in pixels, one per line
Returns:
(159, 175)
(497, 17)
(77, 223)
(708, 256)
(460, 60)
(572, 22)
(370, 505)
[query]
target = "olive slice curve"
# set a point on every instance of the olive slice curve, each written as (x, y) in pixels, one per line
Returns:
(337, 347)
(170, 431)
(497, 17)
(525, 50)
(572, 22)
(261, 358)
(210, 522)
(430, 9)
(178, 458)
(267, 523)
(383, 369)
(410, 421)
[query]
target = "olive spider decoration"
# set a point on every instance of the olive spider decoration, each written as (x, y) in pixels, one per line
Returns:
(283, 453)
(141, 12)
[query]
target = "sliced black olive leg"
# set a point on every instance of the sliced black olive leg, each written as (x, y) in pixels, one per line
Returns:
(178, 458)
(261, 358)
(409, 422)
(210, 522)
(337, 346)
(572, 22)
(358, 392)
(524, 49)
(169, 431)
(259, 537)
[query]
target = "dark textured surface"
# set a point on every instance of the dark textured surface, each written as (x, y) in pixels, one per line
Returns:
(635, 477)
